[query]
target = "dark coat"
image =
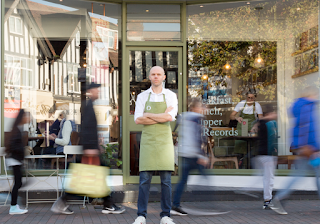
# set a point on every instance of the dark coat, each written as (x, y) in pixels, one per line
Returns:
(89, 130)
(15, 146)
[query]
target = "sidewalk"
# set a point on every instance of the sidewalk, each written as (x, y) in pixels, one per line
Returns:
(300, 211)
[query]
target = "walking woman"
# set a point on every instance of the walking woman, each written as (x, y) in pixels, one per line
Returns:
(15, 152)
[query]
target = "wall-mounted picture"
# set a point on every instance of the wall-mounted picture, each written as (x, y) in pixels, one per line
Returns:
(297, 64)
(305, 62)
(313, 59)
(304, 40)
(313, 36)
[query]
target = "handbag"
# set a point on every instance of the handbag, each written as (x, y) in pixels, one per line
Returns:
(88, 180)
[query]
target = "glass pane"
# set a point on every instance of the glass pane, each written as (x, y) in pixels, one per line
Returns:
(18, 26)
(229, 58)
(43, 78)
(153, 22)
(12, 26)
(140, 64)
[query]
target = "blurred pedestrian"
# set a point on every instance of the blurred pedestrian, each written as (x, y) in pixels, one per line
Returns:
(266, 160)
(15, 152)
(91, 152)
(192, 157)
(155, 109)
(305, 142)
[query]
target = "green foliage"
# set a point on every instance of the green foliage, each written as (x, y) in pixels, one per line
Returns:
(107, 156)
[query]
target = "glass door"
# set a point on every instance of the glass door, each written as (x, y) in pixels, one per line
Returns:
(140, 61)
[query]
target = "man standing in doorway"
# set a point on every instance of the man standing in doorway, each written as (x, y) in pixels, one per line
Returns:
(155, 108)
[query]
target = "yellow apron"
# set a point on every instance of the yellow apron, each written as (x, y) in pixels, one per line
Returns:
(156, 148)
(241, 146)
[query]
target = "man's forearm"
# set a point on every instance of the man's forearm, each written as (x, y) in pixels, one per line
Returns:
(160, 118)
(145, 120)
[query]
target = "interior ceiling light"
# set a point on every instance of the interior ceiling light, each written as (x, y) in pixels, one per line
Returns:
(298, 9)
(147, 10)
(204, 77)
(227, 66)
(248, 3)
(258, 61)
(201, 6)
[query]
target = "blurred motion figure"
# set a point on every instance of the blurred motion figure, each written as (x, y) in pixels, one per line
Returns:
(266, 159)
(190, 141)
(15, 152)
(305, 136)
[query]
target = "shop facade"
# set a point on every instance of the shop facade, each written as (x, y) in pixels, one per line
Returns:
(213, 50)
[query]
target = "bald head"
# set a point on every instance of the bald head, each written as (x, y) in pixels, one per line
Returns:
(156, 76)
(156, 69)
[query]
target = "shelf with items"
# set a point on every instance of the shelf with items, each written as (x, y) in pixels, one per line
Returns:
(306, 53)
(306, 63)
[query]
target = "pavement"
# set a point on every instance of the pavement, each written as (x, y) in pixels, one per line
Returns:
(300, 211)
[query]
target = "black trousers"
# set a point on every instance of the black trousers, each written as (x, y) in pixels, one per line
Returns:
(17, 184)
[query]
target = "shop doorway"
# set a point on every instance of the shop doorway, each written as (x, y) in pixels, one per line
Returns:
(139, 61)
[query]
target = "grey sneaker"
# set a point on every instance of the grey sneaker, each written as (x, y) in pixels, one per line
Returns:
(277, 207)
(61, 208)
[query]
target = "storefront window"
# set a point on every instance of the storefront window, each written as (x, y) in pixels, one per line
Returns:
(153, 22)
(267, 49)
(45, 45)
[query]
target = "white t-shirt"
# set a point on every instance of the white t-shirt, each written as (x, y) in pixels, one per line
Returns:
(248, 109)
(171, 100)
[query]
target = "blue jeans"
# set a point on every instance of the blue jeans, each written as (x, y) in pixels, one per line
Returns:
(187, 165)
(144, 187)
(303, 168)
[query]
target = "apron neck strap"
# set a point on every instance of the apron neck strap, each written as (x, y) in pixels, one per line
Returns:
(164, 98)
(149, 97)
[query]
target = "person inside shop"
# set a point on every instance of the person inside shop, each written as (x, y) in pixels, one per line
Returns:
(155, 109)
(249, 110)
(91, 153)
(54, 129)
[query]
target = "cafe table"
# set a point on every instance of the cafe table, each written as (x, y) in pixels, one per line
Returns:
(248, 139)
(54, 172)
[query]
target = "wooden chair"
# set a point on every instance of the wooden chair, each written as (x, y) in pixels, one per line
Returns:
(214, 159)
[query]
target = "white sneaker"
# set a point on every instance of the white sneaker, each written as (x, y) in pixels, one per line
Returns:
(16, 210)
(140, 220)
(166, 220)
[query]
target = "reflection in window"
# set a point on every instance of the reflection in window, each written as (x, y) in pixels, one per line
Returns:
(140, 64)
(41, 65)
(273, 52)
(153, 22)
(15, 25)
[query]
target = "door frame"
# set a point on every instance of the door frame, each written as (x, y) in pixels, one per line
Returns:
(127, 119)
